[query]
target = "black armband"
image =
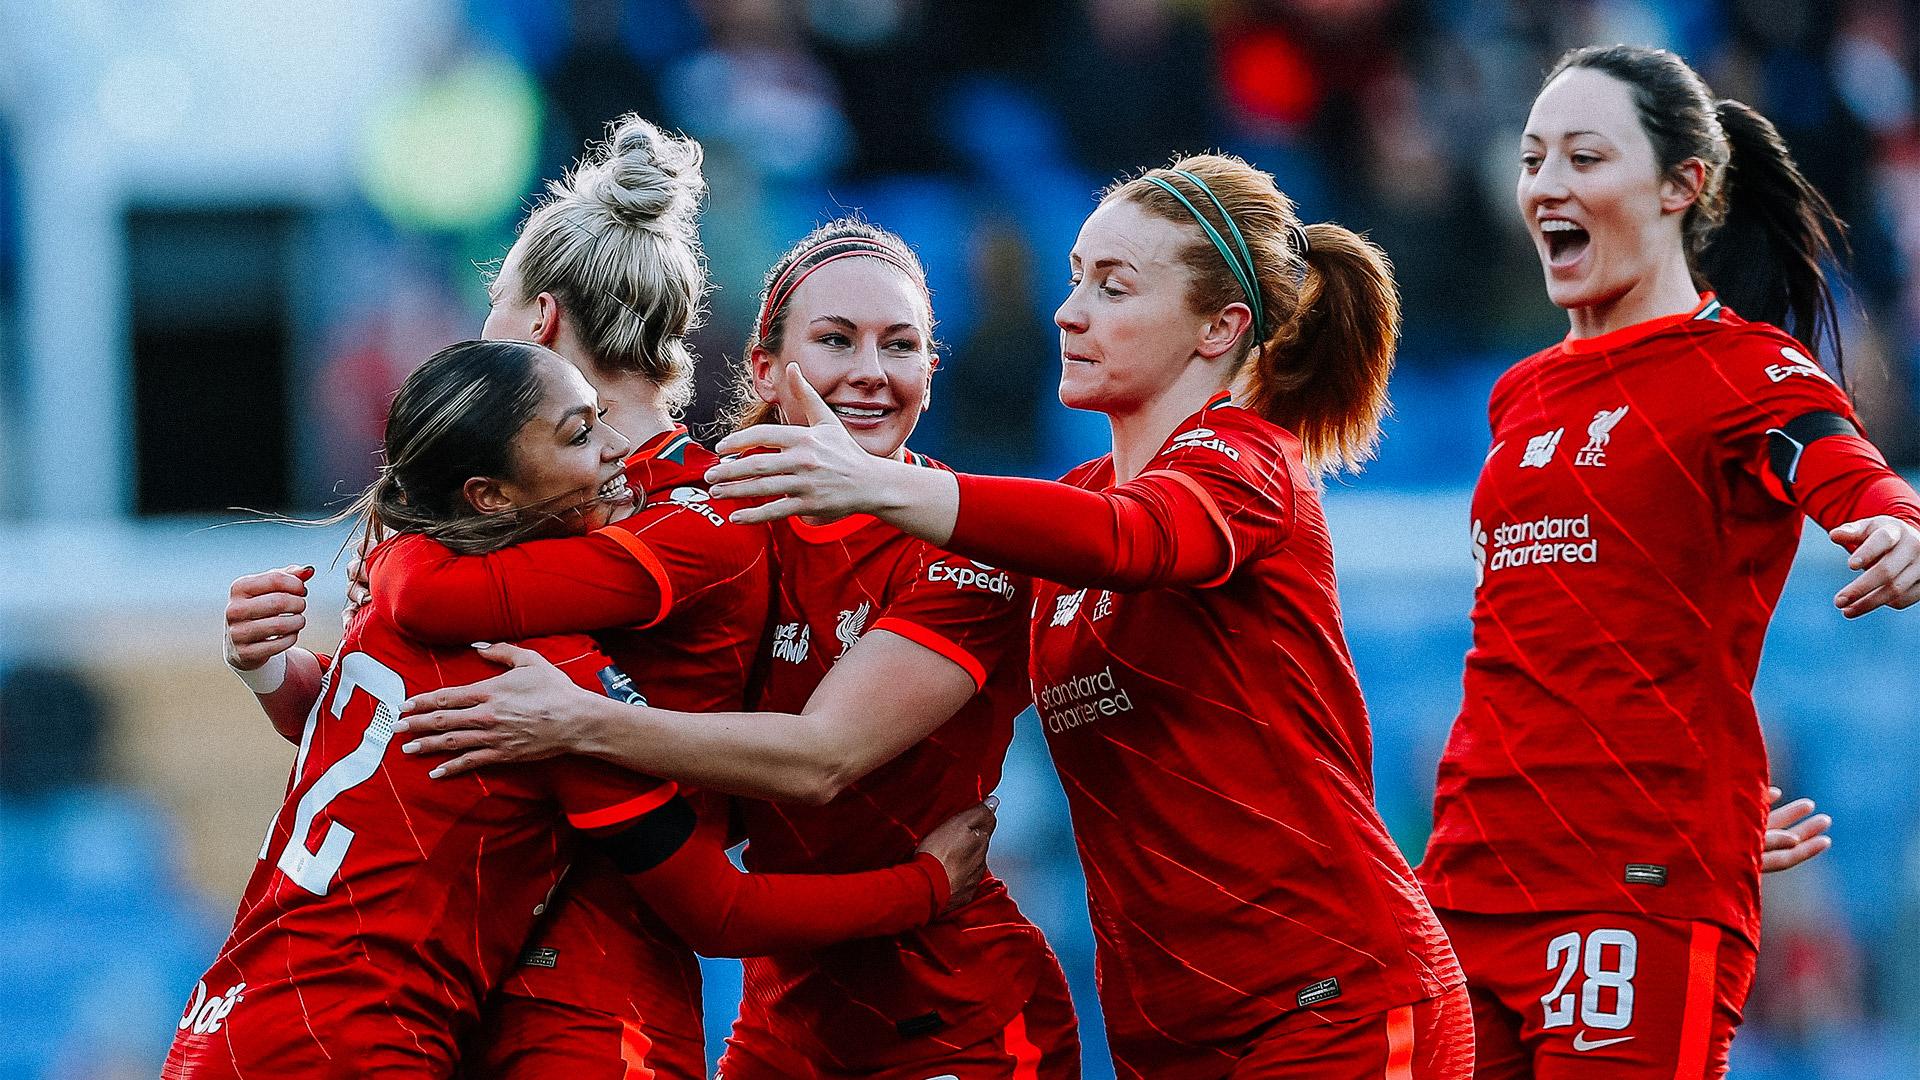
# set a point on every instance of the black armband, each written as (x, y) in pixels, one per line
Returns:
(653, 838)
(1785, 444)
(618, 685)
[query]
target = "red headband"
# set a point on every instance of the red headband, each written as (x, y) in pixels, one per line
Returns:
(796, 272)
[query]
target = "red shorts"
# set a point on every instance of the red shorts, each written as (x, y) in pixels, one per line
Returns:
(524, 1038)
(1432, 1040)
(1041, 1042)
(1573, 995)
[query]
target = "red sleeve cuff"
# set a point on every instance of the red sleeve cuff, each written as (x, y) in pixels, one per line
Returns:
(620, 813)
(936, 874)
(946, 647)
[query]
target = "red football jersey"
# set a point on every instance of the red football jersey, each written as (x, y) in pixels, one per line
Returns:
(877, 1002)
(1630, 546)
(598, 947)
(1218, 762)
(386, 904)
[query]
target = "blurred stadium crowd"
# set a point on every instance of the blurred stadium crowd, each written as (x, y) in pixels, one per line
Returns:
(978, 130)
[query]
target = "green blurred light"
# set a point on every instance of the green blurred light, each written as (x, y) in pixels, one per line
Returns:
(456, 152)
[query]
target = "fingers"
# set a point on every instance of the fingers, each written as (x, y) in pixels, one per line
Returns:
(1850, 534)
(772, 486)
(1782, 816)
(418, 708)
(456, 739)
(800, 401)
(242, 609)
(779, 463)
(267, 630)
(466, 763)
(510, 655)
(1782, 852)
(291, 580)
(1881, 535)
(774, 436)
(773, 511)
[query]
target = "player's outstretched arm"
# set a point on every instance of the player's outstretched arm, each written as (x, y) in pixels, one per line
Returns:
(681, 869)
(265, 614)
(1155, 531)
(1794, 834)
(885, 695)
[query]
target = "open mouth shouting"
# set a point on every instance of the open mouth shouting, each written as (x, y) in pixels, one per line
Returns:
(1566, 242)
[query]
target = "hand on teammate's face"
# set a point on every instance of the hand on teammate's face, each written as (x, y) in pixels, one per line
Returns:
(265, 614)
(1886, 550)
(1794, 834)
(811, 467)
(960, 843)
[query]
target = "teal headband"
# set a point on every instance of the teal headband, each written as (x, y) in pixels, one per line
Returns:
(1239, 258)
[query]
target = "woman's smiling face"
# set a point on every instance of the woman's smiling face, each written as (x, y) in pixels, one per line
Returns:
(1602, 214)
(861, 331)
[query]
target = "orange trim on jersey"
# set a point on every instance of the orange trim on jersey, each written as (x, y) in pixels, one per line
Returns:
(1400, 1044)
(833, 530)
(1696, 1017)
(626, 811)
(1627, 335)
(1213, 511)
(634, 1045)
(926, 638)
(1025, 1055)
(638, 548)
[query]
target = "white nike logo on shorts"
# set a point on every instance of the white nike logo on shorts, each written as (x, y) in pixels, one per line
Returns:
(1582, 1044)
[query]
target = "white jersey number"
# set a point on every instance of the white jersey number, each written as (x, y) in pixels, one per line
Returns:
(1564, 953)
(314, 870)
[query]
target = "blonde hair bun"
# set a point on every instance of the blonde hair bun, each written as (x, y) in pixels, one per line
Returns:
(645, 177)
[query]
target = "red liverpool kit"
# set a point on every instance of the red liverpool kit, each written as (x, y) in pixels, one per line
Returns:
(603, 979)
(1602, 800)
(386, 904)
(1221, 779)
(925, 996)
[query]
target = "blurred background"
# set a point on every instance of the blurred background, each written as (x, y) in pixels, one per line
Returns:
(228, 229)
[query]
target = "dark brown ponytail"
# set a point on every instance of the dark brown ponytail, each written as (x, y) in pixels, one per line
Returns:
(1769, 256)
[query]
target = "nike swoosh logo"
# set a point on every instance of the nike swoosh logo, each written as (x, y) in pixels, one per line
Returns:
(1582, 1044)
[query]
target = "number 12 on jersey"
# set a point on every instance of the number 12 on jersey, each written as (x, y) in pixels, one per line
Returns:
(1565, 953)
(314, 869)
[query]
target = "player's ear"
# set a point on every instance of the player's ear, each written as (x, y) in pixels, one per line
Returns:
(760, 361)
(546, 320)
(485, 494)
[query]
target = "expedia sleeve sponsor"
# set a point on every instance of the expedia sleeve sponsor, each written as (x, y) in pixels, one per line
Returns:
(971, 575)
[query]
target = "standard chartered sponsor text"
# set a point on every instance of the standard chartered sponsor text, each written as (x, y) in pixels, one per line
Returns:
(1546, 539)
(1082, 699)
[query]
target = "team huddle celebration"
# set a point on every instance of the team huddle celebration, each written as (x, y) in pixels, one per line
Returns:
(589, 652)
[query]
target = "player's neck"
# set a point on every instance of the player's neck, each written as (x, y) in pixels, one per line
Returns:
(1139, 433)
(1668, 291)
(636, 407)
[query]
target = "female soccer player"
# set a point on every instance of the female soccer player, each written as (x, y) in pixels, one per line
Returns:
(386, 905)
(607, 272)
(898, 671)
(1597, 846)
(1254, 918)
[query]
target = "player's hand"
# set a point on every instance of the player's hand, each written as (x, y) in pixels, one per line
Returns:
(1793, 836)
(522, 715)
(1886, 550)
(809, 466)
(265, 614)
(358, 592)
(960, 843)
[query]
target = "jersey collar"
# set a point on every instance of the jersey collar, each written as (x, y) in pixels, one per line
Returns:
(1708, 310)
(670, 445)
